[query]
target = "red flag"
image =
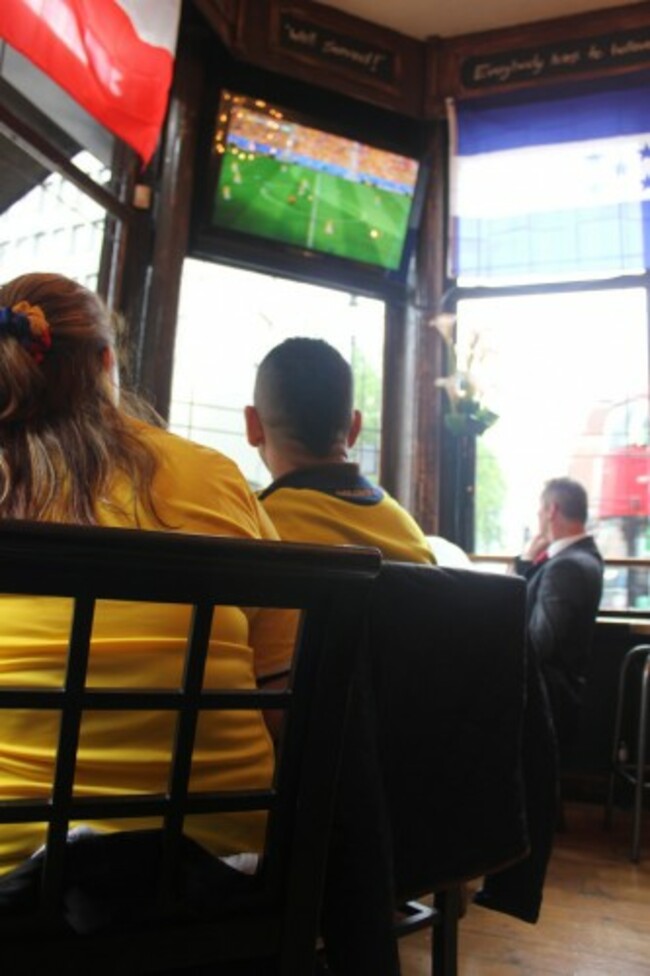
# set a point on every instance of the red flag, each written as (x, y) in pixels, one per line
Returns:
(114, 57)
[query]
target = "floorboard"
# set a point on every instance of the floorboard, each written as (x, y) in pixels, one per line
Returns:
(595, 920)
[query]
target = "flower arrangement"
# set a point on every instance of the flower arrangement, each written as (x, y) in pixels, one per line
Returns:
(467, 414)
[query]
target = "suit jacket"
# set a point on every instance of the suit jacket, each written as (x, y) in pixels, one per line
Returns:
(563, 595)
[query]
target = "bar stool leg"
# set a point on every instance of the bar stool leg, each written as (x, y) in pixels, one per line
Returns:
(640, 762)
(444, 947)
(616, 742)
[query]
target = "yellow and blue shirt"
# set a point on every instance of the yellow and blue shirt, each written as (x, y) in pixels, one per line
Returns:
(334, 504)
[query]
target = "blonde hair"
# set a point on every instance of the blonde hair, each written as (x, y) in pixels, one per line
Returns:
(62, 435)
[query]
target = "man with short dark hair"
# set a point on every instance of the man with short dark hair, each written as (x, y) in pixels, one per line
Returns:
(564, 570)
(303, 424)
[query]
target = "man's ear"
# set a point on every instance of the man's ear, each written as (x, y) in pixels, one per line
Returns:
(355, 427)
(254, 428)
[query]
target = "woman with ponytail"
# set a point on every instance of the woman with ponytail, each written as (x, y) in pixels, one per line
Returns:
(74, 449)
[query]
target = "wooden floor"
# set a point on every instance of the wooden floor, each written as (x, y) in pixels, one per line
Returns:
(595, 920)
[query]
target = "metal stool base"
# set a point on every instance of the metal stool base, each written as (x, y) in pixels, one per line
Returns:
(634, 773)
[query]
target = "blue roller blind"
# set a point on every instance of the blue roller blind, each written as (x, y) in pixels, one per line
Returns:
(552, 188)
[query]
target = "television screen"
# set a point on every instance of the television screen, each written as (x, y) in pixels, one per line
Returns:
(284, 180)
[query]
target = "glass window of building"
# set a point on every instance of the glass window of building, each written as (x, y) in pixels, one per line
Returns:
(567, 374)
(229, 319)
(55, 227)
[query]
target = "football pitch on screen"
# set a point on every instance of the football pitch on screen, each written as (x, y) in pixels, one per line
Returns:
(311, 209)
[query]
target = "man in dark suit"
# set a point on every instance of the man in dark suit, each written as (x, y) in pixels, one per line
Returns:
(564, 572)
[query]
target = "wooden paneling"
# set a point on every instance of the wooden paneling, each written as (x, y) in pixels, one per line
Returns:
(581, 47)
(411, 446)
(222, 16)
(429, 301)
(319, 44)
(322, 46)
(172, 220)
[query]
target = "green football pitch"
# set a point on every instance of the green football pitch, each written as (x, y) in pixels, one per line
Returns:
(311, 209)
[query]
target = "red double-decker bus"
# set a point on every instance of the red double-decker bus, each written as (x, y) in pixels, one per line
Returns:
(625, 479)
(624, 493)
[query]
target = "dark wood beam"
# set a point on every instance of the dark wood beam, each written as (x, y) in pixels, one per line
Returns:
(23, 135)
(413, 360)
(155, 359)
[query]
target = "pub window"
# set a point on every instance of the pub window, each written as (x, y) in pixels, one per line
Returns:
(229, 318)
(549, 250)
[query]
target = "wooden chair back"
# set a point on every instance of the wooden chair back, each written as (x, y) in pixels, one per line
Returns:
(277, 915)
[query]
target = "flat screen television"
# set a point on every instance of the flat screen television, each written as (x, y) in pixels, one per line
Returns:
(286, 195)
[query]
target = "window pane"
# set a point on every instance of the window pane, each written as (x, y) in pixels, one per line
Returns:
(229, 319)
(56, 228)
(568, 376)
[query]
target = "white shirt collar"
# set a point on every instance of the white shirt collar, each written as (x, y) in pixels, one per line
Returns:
(561, 544)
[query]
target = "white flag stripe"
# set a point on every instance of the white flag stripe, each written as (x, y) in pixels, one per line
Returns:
(62, 22)
(564, 176)
(154, 21)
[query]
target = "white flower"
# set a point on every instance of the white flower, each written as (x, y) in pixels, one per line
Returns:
(467, 412)
(445, 323)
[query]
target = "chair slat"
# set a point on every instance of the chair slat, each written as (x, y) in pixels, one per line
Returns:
(126, 699)
(276, 913)
(66, 753)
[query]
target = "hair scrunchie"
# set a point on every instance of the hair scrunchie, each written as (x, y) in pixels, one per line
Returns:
(27, 324)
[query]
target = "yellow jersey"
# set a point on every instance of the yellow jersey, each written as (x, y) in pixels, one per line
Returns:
(196, 490)
(335, 505)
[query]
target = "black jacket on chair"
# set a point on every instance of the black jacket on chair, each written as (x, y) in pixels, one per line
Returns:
(465, 743)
